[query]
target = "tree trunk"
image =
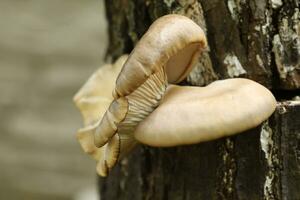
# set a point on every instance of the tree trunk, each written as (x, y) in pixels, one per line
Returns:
(256, 39)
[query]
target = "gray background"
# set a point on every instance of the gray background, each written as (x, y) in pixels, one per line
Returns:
(48, 48)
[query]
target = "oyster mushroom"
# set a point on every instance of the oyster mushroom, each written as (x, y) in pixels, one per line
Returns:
(145, 107)
(165, 54)
(93, 99)
(190, 115)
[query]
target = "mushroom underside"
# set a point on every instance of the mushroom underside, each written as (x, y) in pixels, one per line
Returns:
(180, 64)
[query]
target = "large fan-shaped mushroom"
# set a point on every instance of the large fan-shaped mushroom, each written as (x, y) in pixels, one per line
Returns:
(189, 115)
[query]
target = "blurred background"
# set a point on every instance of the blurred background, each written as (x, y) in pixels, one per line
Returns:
(48, 48)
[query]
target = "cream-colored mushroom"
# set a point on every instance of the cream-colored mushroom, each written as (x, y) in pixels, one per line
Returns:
(93, 99)
(145, 108)
(165, 54)
(189, 115)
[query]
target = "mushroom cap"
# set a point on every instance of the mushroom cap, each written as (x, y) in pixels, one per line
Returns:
(189, 115)
(172, 42)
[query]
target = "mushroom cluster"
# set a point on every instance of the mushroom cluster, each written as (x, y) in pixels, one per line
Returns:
(141, 104)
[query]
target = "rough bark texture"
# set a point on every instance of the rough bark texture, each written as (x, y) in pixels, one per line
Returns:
(257, 39)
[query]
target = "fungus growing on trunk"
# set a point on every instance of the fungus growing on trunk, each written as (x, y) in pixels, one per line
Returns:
(165, 54)
(144, 106)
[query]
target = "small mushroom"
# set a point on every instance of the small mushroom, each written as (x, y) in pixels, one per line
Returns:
(92, 100)
(165, 54)
(190, 115)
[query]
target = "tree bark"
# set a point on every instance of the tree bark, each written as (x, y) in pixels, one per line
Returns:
(256, 39)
